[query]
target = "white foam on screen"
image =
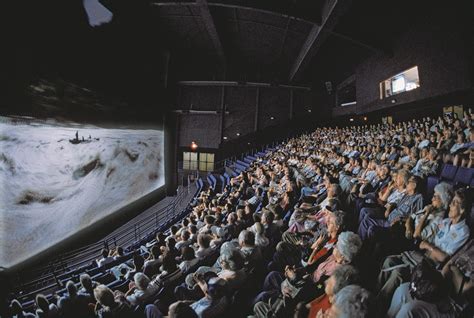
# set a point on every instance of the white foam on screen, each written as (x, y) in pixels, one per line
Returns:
(51, 188)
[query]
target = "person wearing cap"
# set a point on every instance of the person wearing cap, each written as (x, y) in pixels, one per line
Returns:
(214, 303)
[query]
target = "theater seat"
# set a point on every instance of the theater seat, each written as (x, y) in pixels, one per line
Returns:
(448, 172)
(464, 176)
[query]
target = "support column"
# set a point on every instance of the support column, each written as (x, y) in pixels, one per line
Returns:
(222, 110)
(291, 104)
(257, 106)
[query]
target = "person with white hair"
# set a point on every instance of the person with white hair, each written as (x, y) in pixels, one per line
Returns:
(142, 290)
(422, 224)
(452, 232)
(352, 302)
(347, 248)
(108, 306)
(232, 263)
(343, 276)
(288, 289)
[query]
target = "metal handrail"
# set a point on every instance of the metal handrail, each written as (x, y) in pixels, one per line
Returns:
(123, 236)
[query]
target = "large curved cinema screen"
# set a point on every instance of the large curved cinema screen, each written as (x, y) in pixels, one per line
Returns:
(57, 179)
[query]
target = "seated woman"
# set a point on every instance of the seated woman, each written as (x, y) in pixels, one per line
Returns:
(422, 224)
(341, 277)
(352, 301)
(294, 286)
(410, 202)
(465, 156)
(419, 225)
(451, 234)
(387, 198)
(325, 243)
(428, 163)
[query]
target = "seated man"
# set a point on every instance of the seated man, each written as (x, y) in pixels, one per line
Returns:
(214, 303)
(109, 307)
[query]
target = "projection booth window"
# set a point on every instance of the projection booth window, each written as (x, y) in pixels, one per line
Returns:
(198, 161)
(402, 82)
(206, 161)
(190, 160)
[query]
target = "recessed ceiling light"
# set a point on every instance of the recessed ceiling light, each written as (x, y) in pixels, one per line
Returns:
(225, 137)
(238, 134)
(309, 110)
(351, 119)
(272, 118)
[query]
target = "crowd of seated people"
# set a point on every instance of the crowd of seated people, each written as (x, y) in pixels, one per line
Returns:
(336, 223)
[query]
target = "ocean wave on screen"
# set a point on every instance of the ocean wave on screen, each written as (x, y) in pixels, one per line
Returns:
(48, 182)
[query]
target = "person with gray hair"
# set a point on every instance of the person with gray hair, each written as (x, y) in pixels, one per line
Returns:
(336, 221)
(422, 224)
(294, 286)
(108, 306)
(232, 262)
(87, 287)
(342, 276)
(74, 304)
(352, 302)
(347, 247)
(143, 289)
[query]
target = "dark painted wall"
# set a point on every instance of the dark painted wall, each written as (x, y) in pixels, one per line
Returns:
(441, 49)
(247, 109)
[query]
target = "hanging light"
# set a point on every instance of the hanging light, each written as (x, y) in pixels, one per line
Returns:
(194, 145)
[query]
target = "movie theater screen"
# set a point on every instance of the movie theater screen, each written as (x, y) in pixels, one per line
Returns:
(57, 179)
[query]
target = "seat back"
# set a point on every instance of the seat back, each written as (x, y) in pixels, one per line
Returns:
(464, 176)
(448, 172)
